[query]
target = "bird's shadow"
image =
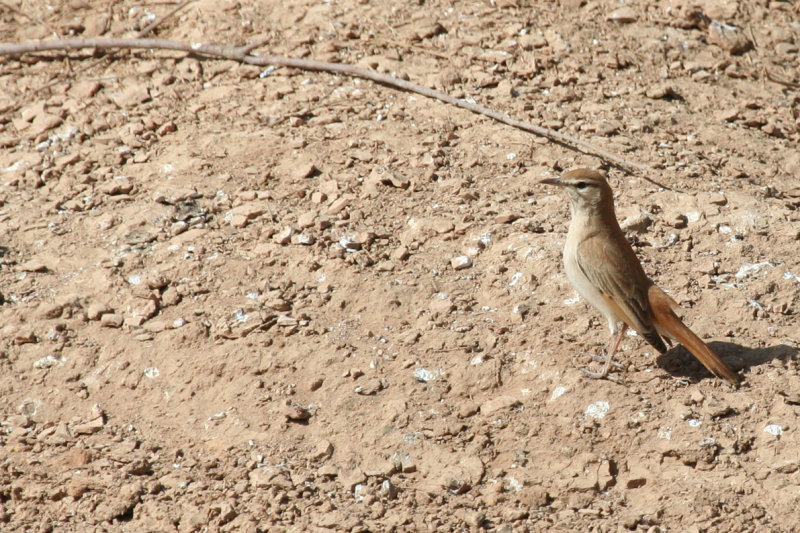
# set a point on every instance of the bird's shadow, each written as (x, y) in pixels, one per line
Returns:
(679, 362)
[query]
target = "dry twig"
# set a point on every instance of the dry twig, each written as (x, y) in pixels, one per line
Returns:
(146, 31)
(242, 54)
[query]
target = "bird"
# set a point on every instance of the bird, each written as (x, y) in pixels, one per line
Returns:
(603, 268)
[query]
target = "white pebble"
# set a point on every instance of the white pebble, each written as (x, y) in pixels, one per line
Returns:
(558, 392)
(424, 375)
(597, 410)
(774, 429)
(48, 361)
(461, 262)
(752, 268)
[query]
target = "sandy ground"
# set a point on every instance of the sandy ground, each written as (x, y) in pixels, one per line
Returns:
(234, 302)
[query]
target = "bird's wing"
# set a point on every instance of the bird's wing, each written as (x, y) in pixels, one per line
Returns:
(613, 268)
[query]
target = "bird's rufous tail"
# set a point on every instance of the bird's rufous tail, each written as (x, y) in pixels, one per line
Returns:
(667, 321)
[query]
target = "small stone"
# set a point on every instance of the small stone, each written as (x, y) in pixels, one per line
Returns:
(328, 470)
(717, 408)
(533, 497)
(506, 218)
(441, 305)
(20, 421)
(400, 253)
(84, 89)
(42, 123)
(48, 361)
(597, 410)
(77, 487)
(170, 297)
(286, 321)
(727, 115)
(348, 243)
(34, 265)
(371, 387)
(97, 310)
(112, 320)
(718, 199)
(623, 15)
(423, 375)
(284, 236)
(88, 428)
(661, 91)
(636, 223)
(167, 127)
(531, 41)
(385, 266)
(401, 182)
(360, 492)
(337, 206)
(323, 450)
(49, 310)
(606, 128)
(364, 237)
(178, 227)
(303, 171)
(306, 220)
(331, 520)
(224, 512)
(498, 403)
(238, 221)
(116, 186)
(785, 48)
(675, 219)
(461, 477)
(248, 211)
(351, 478)
(329, 188)
(696, 397)
(461, 262)
(267, 477)
(294, 411)
(442, 226)
(468, 409)
(403, 462)
(605, 476)
(388, 489)
(475, 518)
(729, 38)
(278, 304)
(132, 96)
(303, 239)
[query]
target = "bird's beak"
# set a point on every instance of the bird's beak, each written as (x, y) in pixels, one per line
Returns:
(553, 181)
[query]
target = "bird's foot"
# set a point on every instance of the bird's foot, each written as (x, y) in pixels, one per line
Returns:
(601, 359)
(604, 373)
(596, 375)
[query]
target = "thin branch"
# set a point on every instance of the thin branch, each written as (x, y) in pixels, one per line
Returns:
(775, 79)
(242, 54)
(150, 28)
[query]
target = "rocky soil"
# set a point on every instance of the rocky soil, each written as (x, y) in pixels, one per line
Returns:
(245, 299)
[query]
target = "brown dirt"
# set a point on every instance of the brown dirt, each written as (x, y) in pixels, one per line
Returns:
(229, 302)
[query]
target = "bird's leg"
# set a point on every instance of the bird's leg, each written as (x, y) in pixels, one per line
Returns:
(611, 349)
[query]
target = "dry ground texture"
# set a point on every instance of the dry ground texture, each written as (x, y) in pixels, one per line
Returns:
(236, 299)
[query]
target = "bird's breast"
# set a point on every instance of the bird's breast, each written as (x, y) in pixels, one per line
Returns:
(584, 285)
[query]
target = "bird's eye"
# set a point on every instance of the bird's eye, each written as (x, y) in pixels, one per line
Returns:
(581, 185)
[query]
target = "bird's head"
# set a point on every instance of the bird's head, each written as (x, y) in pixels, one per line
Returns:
(587, 189)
